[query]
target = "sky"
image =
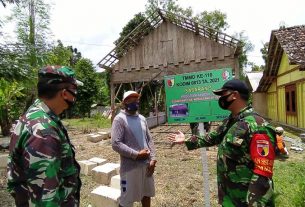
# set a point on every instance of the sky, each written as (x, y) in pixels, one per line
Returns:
(92, 26)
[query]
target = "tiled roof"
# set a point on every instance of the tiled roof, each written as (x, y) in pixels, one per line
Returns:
(292, 40)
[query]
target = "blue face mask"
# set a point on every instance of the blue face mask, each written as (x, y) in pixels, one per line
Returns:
(134, 106)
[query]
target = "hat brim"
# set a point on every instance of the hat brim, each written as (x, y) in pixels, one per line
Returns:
(219, 92)
(133, 95)
(79, 83)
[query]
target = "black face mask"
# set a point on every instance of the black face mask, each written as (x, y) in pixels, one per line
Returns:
(71, 103)
(134, 106)
(223, 103)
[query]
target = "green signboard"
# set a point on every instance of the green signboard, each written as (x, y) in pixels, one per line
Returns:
(189, 96)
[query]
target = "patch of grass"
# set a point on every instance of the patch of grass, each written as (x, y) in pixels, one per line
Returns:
(289, 182)
(88, 124)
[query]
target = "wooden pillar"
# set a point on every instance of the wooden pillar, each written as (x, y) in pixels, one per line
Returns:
(236, 69)
(112, 100)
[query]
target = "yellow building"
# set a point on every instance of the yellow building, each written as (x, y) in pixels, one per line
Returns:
(282, 86)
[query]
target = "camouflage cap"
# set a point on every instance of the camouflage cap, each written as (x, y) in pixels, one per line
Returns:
(58, 74)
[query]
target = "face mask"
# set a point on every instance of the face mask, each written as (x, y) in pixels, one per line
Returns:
(223, 103)
(70, 103)
(134, 106)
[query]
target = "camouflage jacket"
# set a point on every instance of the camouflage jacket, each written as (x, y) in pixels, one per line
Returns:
(238, 185)
(42, 170)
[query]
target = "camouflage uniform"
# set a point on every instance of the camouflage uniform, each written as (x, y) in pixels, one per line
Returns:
(42, 170)
(237, 184)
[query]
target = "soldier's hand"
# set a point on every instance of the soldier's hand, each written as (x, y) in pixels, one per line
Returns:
(143, 154)
(178, 138)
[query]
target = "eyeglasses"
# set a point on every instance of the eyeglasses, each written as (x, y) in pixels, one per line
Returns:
(73, 93)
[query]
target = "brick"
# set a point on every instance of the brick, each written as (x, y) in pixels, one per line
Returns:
(86, 167)
(103, 173)
(105, 135)
(116, 182)
(105, 196)
(95, 138)
(98, 161)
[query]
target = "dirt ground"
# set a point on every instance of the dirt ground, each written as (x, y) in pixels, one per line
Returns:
(178, 176)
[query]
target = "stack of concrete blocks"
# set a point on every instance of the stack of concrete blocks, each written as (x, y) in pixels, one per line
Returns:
(102, 174)
(106, 195)
(86, 166)
(3, 164)
(97, 137)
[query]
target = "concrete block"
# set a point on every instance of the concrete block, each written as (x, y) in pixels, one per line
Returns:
(103, 173)
(86, 167)
(105, 135)
(116, 182)
(95, 138)
(105, 196)
(98, 161)
(3, 160)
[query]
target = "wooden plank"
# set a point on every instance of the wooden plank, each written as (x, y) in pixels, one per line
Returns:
(221, 52)
(163, 41)
(122, 65)
(189, 46)
(150, 49)
(215, 49)
(228, 51)
(175, 43)
(203, 48)
(145, 75)
(145, 52)
(169, 45)
(197, 44)
(116, 66)
(133, 59)
(155, 47)
(180, 43)
(209, 50)
(137, 57)
(128, 60)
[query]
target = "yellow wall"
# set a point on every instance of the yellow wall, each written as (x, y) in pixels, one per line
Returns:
(300, 104)
(272, 106)
(281, 104)
(289, 77)
(276, 106)
(284, 65)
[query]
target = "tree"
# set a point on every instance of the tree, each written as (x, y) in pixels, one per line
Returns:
(129, 27)
(86, 73)
(243, 48)
(32, 29)
(8, 1)
(215, 21)
(9, 103)
(264, 51)
(59, 55)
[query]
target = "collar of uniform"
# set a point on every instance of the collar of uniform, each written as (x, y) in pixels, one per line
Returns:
(128, 114)
(245, 112)
(39, 103)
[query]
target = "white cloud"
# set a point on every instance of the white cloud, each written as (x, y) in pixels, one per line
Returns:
(92, 26)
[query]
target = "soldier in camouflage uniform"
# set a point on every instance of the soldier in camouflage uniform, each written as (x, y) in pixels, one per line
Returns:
(246, 150)
(42, 170)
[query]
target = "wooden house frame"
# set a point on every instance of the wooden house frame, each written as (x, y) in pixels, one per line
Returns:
(167, 44)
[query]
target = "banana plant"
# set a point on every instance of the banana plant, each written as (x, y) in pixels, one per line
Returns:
(10, 92)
